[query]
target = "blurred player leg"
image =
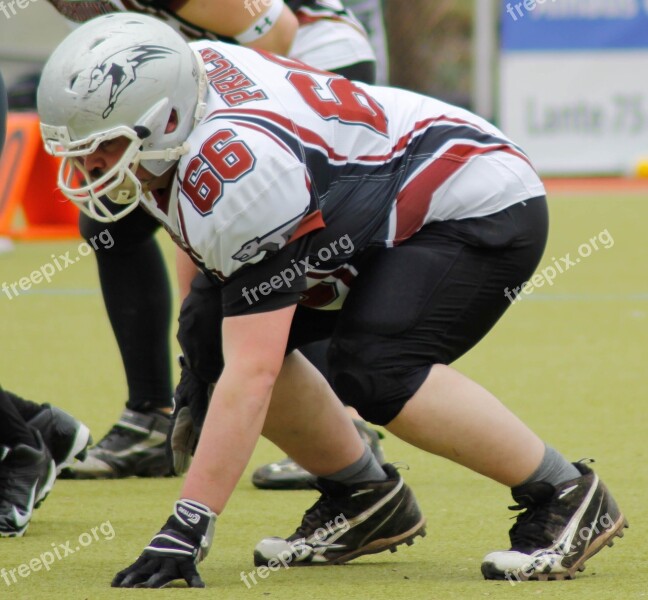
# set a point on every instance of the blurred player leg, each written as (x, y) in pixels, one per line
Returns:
(137, 296)
(27, 471)
(66, 438)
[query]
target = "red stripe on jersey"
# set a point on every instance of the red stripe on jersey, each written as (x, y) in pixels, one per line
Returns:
(305, 135)
(310, 137)
(421, 126)
(413, 201)
(309, 223)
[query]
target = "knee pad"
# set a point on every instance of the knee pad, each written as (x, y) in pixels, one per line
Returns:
(376, 387)
(199, 329)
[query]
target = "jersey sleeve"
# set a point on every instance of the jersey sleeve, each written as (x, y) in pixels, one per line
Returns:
(274, 283)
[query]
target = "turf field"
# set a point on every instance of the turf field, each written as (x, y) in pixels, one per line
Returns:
(569, 358)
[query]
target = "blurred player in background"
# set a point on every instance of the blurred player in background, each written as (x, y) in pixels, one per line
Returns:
(37, 441)
(386, 220)
(370, 14)
(133, 276)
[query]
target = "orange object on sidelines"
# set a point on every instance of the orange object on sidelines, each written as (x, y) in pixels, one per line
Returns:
(28, 183)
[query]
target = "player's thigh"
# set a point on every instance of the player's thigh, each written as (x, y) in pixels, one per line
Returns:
(429, 301)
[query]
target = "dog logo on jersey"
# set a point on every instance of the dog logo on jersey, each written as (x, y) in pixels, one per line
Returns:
(270, 242)
(120, 70)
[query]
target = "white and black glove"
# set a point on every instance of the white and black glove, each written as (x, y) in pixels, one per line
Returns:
(175, 551)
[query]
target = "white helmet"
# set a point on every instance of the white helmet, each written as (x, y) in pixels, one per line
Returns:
(121, 74)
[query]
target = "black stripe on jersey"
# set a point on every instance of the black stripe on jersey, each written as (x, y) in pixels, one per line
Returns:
(326, 167)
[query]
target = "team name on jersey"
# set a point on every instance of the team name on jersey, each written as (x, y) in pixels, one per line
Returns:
(233, 86)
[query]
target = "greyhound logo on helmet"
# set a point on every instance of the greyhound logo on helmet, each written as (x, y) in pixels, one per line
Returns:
(120, 70)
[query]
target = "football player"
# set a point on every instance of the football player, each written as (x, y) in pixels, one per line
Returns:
(132, 273)
(388, 221)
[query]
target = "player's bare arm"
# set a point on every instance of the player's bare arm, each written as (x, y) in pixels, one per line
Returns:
(265, 25)
(253, 346)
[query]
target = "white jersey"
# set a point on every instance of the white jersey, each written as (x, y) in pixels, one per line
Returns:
(289, 162)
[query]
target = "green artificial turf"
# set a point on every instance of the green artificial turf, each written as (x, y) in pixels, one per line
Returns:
(570, 359)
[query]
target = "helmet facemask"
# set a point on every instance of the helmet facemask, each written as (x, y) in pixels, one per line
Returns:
(118, 185)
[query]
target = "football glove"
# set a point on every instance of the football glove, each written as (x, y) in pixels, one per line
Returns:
(190, 401)
(175, 551)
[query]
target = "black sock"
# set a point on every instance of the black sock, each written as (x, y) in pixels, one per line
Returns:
(137, 295)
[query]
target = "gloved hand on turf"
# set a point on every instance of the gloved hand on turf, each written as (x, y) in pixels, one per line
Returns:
(175, 551)
(190, 400)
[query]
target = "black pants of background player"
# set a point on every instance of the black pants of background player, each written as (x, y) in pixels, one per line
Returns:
(15, 412)
(137, 295)
(427, 301)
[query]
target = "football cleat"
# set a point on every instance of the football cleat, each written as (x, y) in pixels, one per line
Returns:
(66, 437)
(286, 474)
(135, 446)
(561, 527)
(26, 477)
(347, 522)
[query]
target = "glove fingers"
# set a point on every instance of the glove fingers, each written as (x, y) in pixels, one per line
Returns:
(156, 582)
(138, 573)
(119, 578)
(169, 571)
(190, 574)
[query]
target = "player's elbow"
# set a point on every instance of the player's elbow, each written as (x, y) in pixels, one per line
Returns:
(259, 382)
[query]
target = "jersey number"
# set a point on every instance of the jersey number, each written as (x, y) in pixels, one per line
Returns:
(219, 161)
(347, 102)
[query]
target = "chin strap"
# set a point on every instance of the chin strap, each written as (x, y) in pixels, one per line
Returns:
(168, 154)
